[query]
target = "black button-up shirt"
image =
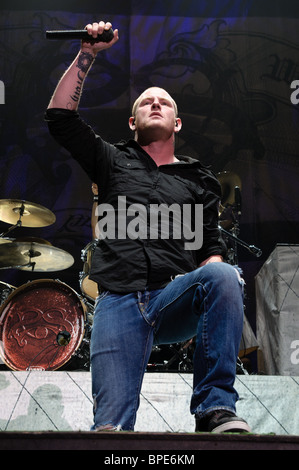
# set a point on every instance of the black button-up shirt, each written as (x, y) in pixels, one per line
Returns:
(126, 174)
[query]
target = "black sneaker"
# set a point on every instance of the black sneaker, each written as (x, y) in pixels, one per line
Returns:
(221, 421)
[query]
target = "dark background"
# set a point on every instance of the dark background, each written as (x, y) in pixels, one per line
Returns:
(229, 66)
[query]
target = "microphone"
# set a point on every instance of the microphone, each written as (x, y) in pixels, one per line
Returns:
(238, 199)
(106, 36)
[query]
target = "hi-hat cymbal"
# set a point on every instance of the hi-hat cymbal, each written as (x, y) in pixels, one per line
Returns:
(31, 256)
(228, 181)
(30, 213)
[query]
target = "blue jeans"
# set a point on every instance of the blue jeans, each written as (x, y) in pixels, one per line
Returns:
(206, 303)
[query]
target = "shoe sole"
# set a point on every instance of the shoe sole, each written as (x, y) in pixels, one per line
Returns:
(232, 426)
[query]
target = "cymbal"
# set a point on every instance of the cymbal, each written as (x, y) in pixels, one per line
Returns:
(5, 240)
(32, 239)
(41, 257)
(228, 181)
(31, 214)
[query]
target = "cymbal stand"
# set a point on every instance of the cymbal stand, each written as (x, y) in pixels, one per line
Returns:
(18, 224)
(185, 363)
(233, 235)
(237, 241)
(20, 266)
(233, 252)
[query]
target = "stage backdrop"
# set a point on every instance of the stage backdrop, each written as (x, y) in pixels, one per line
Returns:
(230, 66)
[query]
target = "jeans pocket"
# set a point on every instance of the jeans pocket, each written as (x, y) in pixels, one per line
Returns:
(100, 297)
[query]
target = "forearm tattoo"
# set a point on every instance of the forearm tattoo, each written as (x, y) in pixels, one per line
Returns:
(85, 60)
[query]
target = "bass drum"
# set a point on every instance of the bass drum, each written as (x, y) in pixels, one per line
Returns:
(88, 287)
(42, 324)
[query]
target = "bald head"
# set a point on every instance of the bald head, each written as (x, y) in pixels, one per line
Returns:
(154, 91)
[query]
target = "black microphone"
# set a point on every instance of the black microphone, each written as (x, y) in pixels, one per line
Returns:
(106, 36)
(238, 199)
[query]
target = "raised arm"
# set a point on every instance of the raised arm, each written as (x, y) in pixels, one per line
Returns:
(68, 91)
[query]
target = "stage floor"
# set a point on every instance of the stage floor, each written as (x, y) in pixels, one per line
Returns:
(158, 448)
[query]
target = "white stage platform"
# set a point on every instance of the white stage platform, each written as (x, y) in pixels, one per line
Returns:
(61, 401)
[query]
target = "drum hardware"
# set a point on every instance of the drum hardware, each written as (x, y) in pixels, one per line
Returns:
(253, 249)
(82, 355)
(228, 182)
(185, 363)
(89, 311)
(178, 361)
(80, 360)
(5, 291)
(233, 236)
(240, 369)
(230, 212)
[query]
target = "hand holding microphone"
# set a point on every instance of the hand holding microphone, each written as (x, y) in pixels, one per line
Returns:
(96, 36)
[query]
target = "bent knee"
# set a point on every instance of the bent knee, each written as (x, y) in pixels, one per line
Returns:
(224, 273)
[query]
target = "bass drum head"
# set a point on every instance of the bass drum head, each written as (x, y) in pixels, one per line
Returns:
(41, 325)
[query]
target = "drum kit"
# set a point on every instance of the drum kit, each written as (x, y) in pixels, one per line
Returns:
(45, 323)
